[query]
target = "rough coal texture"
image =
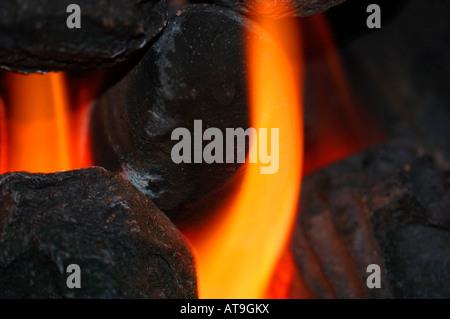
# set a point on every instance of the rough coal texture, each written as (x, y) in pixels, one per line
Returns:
(388, 206)
(280, 9)
(34, 36)
(125, 247)
(194, 71)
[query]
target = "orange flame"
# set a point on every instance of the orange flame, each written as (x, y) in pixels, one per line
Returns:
(237, 254)
(39, 133)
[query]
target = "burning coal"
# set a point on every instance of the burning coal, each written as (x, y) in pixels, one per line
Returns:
(208, 150)
(248, 237)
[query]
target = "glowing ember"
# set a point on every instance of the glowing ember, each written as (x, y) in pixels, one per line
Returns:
(39, 133)
(237, 254)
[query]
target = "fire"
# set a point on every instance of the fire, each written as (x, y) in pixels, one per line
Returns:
(341, 126)
(39, 131)
(237, 252)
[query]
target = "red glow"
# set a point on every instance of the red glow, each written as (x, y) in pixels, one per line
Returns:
(340, 127)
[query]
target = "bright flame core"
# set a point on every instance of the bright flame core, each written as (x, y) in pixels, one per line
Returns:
(40, 134)
(237, 254)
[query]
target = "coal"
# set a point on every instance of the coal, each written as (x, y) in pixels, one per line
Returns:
(34, 36)
(194, 71)
(399, 72)
(125, 247)
(386, 206)
(271, 9)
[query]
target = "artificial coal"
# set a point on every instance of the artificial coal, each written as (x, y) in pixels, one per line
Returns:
(34, 36)
(195, 71)
(124, 246)
(386, 206)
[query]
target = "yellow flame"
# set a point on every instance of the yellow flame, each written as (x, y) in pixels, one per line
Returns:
(237, 255)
